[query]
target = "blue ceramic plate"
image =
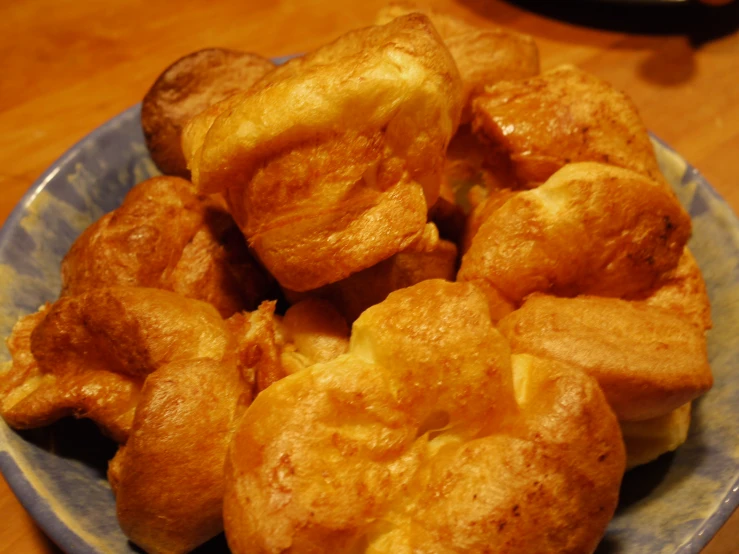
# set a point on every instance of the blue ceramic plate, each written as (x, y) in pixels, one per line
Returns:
(672, 505)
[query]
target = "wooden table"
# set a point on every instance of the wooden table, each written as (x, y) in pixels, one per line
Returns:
(68, 66)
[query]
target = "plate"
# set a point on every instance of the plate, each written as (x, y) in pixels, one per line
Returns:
(673, 505)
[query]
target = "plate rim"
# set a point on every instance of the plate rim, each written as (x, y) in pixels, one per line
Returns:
(65, 538)
(25, 492)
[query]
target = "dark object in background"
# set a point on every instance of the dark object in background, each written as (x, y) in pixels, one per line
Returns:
(700, 22)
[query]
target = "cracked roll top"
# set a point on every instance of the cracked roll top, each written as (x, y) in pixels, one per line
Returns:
(590, 229)
(426, 436)
(331, 161)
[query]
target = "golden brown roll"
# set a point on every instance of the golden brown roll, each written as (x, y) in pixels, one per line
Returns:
(428, 437)
(331, 162)
(165, 236)
(484, 55)
(647, 360)
(590, 229)
(429, 257)
(88, 355)
(186, 88)
(167, 378)
(168, 477)
(565, 115)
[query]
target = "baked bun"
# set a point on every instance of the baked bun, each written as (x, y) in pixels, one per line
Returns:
(538, 125)
(427, 436)
(556, 239)
(331, 162)
(168, 477)
(647, 360)
(484, 55)
(428, 257)
(186, 88)
(88, 355)
(165, 236)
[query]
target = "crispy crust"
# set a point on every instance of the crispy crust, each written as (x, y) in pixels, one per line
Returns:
(484, 55)
(682, 291)
(168, 478)
(89, 355)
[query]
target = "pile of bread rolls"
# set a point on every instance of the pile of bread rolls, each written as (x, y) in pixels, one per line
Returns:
(400, 294)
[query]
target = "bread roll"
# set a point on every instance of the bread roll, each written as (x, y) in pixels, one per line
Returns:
(590, 229)
(484, 55)
(88, 355)
(538, 125)
(165, 236)
(647, 360)
(331, 162)
(426, 437)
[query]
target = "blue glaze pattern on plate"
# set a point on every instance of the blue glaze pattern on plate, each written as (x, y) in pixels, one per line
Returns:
(674, 505)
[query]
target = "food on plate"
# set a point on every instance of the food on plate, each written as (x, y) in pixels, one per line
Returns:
(427, 436)
(484, 55)
(429, 257)
(187, 87)
(331, 162)
(166, 236)
(497, 413)
(88, 355)
(535, 126)
(168, 477)
(648, 361)
(166, 377)
(556, 239)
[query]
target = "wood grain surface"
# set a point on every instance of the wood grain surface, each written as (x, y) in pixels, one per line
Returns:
(68, 66)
